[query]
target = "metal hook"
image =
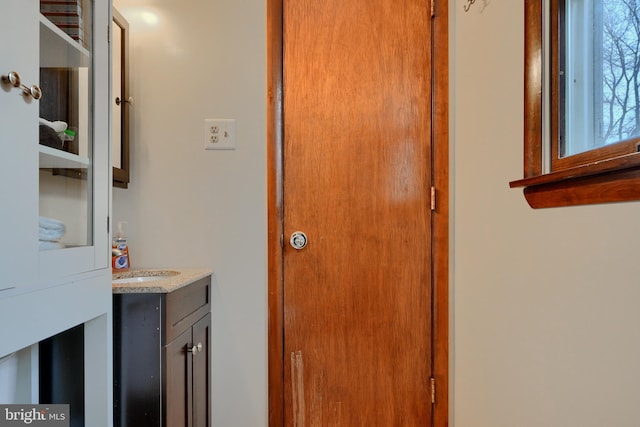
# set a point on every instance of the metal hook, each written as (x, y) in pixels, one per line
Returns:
(128, 101)
(468, 5)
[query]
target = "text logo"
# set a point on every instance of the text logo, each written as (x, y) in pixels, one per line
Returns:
(34, 415)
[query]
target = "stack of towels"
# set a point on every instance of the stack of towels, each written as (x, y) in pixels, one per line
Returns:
(51, 231)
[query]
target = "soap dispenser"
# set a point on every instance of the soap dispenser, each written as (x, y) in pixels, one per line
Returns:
(119, 251)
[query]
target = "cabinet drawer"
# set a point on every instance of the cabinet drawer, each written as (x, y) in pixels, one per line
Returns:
(186, 305)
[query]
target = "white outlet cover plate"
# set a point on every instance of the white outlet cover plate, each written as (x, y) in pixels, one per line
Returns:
(219, 134)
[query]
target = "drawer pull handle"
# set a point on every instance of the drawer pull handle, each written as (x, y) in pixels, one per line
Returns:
(195, 349)
(13, 79)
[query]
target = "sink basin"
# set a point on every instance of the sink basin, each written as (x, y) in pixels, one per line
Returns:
(140, 279)
(142, 276)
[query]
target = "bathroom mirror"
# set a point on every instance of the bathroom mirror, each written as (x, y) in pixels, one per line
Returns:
(121, 102)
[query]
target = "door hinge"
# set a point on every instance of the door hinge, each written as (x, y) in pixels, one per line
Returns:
(433, 198)
(433, 8)
(433, 390)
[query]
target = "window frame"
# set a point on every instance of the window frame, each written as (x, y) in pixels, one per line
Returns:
(597, 176)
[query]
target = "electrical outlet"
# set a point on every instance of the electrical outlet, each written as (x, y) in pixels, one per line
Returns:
(219, 134)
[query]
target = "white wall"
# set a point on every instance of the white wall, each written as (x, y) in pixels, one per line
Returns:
(188, 207)
(545, 322)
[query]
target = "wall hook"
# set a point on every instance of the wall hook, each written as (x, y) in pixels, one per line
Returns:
(467, 6)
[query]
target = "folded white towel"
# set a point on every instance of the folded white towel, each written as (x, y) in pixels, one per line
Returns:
(47, 246)
(49, 235)
(51, 224)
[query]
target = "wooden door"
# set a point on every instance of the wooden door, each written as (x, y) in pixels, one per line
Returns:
(356, 180)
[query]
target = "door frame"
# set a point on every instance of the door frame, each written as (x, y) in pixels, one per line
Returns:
(440, 215)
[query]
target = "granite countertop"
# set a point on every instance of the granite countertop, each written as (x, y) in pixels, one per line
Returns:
(175, 279)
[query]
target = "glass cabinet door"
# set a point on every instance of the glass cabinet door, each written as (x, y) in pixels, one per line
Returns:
(66, 125)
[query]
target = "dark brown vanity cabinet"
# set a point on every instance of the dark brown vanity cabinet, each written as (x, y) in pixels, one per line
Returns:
(162, 357)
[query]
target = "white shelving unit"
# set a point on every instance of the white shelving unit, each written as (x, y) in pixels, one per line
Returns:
(45, 293)
(61, 50)
(51, 158)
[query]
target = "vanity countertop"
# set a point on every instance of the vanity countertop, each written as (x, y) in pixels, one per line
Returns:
(176, 278)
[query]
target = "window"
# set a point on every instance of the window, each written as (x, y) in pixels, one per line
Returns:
(582, 102)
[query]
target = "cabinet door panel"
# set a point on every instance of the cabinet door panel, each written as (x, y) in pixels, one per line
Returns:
(19, 142)
(201, 374)
(137, 370)
(178, 382)
(74, 167)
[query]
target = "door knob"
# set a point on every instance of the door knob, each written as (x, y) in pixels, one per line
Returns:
(298, 240)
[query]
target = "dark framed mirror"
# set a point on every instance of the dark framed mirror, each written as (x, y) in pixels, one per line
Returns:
(122, 102)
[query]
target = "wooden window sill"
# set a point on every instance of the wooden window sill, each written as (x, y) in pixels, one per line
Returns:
(606, 181)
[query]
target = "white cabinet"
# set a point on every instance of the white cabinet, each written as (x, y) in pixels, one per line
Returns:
(19, 142)
(46, 289)
(45, 176)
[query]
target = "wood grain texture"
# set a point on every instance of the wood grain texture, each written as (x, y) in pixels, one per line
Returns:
(357, 178)
(533, 70)
(619, 186)
(275, 218)
(440, 216)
